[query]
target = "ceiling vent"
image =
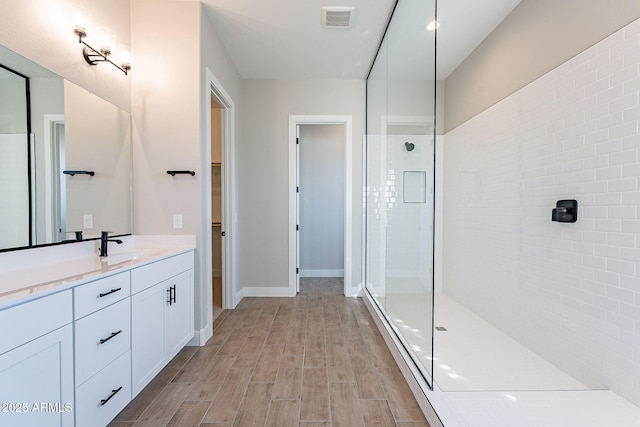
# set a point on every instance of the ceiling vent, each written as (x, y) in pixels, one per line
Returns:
(337, 17)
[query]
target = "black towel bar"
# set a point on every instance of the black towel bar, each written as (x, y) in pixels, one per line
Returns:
(174, 173)
(72, 173)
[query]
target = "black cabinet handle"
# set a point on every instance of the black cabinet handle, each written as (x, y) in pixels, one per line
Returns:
(113, 393)
(113, 334)
(109, 293)
(171, 291)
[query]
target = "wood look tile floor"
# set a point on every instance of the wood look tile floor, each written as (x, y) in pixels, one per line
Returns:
(310, 361)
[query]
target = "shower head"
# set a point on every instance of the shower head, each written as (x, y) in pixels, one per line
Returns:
(409, 146)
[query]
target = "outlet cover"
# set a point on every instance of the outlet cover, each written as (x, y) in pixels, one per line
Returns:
(88, 221)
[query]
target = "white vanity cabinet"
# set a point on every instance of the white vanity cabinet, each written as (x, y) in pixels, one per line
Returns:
(102, 338)
(161, 315)
(78, 356)
(36, 363)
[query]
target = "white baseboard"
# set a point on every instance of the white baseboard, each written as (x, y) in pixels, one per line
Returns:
(201, 337)
(237, 297)
(321, 273)
(255, 291)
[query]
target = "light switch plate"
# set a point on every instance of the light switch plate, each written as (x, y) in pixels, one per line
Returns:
(88, 221)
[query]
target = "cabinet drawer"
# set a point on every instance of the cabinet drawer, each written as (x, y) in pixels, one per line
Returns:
(101, 293)
(150, 274)
(101, 398)
(28, 321)
(100, 338)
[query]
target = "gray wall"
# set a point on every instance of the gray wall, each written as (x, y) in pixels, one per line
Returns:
(262, 156)
(535, 38)
(322, 175)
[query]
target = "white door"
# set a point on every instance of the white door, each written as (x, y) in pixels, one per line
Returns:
(178, 315)
(147, 335)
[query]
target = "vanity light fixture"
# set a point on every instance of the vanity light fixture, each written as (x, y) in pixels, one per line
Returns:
(94, 56)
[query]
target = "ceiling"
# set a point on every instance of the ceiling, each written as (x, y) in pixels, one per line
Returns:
(284, 39)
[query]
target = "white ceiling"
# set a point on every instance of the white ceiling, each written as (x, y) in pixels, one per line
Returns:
(284, 39)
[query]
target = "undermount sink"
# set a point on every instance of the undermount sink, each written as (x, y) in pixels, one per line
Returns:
(130, 255)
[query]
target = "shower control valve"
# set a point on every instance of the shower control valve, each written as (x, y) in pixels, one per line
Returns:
(565, 211)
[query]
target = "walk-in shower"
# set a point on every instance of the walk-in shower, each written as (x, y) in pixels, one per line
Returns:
(503, 303)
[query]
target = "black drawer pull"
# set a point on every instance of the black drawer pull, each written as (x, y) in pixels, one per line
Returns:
(113, 334)
(109, 293)
(113, 393)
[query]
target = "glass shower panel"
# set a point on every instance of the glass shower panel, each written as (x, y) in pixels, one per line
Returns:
(375, 188)
(399, 179)
(376, 221)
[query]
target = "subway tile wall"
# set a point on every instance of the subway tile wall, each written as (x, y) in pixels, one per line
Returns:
(570, 292)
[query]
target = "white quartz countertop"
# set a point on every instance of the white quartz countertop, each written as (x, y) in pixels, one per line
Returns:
(45, 271)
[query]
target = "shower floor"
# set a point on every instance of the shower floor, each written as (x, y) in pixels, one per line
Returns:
(471, 355)
(482, 377)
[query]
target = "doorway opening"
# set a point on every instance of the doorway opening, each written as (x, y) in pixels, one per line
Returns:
(217, 292)
(321, 200)
(54, 190)
(217, 232)
(344, 127)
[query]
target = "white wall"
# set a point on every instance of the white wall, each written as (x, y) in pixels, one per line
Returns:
(571, 292)
(166, 112)
(262, 156)
(169, 113)
(321, 205)
(42, 31)
(98, 142)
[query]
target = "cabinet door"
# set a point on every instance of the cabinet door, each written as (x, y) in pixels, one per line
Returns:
(179, 313)
(36, 382)
(147, 335)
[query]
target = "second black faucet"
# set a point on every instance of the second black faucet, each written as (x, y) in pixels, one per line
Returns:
(104, 242)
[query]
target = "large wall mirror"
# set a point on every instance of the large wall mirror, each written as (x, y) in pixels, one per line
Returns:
(65, 159)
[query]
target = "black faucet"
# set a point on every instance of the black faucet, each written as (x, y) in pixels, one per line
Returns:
(77, 239)
(104, 242)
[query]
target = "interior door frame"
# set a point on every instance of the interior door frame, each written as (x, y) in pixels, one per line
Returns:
(53, 187)
(214, 89)
(294, 122)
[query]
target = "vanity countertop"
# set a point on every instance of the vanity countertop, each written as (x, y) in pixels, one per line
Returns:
(35, 279)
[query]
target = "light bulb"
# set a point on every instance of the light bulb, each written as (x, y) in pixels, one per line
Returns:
(432, 26)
